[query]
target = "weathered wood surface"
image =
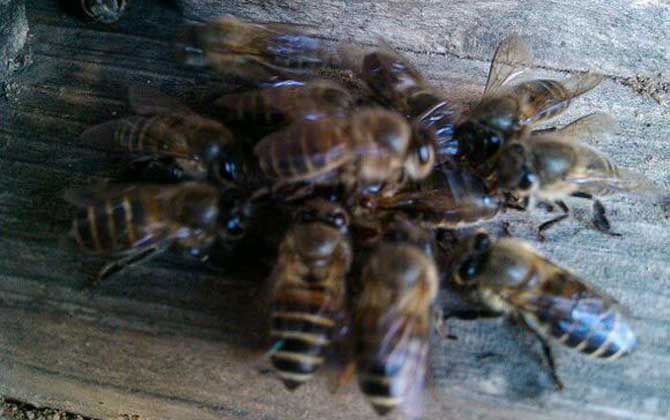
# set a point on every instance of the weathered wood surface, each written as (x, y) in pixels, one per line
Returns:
(13, 32)
(169, 341)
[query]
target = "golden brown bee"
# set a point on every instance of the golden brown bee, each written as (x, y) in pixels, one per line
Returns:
(446, 199)
(392, 318)
(507, 112)
(309, 290)
(553, 165)
(166, 129)
(287, 101)
(370, 148)
(135, 222)
(508, 277)
(104, 11)
(255, 52)
(397, 83)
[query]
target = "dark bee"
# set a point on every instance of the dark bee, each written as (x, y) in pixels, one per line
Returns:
(392, 318)
(506, 113)
(371, 148)
(309, 290)
(104, 11)
(255, 52)
(550, 166)
(134, 222)
(446, 199)
(397, 83)
(167, 136)
(287, 101)
(508, 277)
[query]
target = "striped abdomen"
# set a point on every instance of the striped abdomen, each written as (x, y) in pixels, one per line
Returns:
(161, 134)
(578, 318)
(304, 150)
(115, 225)
(303, 330)
(388, 375)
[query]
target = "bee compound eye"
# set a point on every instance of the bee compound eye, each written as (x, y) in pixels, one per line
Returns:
(425, 154)
(527, 180)
(482, 242)
(339, 219)
(468, 272)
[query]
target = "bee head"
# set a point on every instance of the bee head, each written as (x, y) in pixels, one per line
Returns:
(323, 211)
(474, 259)
(515, 174)
(421, 158)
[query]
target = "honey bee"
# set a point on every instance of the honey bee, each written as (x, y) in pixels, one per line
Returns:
(446, 199)
(508, 277)
(104, 11)
(552, 165)
(255, 52)
(392, 318)
(371, 148)
(309, 290)
(166, 134)
(135, 222)
(508, 112)
(397, 83)
(287, 101)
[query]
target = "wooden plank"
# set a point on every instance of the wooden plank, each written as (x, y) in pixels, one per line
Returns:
(171, 340)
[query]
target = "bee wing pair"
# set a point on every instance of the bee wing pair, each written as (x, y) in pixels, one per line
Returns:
(163, 127)
(542, 99)
(255, 52)
(594, 173)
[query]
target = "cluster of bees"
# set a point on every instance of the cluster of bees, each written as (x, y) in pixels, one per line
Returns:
(383, 178)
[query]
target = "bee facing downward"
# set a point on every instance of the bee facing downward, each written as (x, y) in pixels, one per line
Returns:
(308, 291)
(508, 277)
(392, 318)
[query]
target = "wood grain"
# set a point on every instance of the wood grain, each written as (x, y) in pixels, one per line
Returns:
(170, 340)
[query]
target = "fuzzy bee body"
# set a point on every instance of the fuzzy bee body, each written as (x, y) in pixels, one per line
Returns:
(121, 220)
(509, 277)
(392, 318)
(446, 199)
(309, 290)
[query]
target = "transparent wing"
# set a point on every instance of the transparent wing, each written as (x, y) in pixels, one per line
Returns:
(511, 58)
(590, 126)
(549, 102)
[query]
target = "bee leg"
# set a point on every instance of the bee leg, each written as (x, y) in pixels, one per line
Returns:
(546, 225)
(546, 352)
(600, 219)
(344, 378)
(118, 265)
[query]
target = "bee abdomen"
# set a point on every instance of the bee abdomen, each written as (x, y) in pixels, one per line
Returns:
(606, 336)
(108, 228)
(303, 335)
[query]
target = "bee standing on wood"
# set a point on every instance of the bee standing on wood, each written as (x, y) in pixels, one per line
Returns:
(549, 166)
(392, 318)
(507, 112)
(308, 293)
(367, 152)
(508, 277)
(135, 222)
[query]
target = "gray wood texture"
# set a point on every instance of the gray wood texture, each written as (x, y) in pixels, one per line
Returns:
(13, 33)
(170, 340)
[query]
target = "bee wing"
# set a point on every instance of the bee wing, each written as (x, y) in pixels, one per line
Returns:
(510, 59)
(578, 316)
(406, 344)
(144, 100)
(116, 213)
(589, 126)
(545, 105)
